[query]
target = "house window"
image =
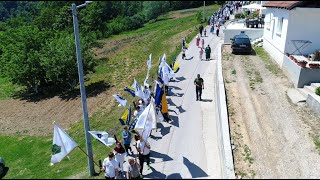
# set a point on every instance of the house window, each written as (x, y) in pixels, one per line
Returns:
(267, 21)
(279, 26)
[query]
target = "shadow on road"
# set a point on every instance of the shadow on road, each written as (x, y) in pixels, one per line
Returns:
(181, 110)
(175, 121)
(174, 176)
(170, 110)
(174, 87)
(178, 94)
(164, 130)
(155, 174)
(188, 58)
(164, 157)
(169, 101)
(206, 100)
(181, 78)
(155, 137)
(195, 171)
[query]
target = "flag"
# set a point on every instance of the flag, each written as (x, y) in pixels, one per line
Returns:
(146, 81)
(164, 104)
(159, 93)
(103, 137)
(149, 63)
(147, 120)
(130, 89)
(176, 67)
(126, 117)
(62, 144)
(133, 124)
(137, 89)
(159, 115)
(120, 99)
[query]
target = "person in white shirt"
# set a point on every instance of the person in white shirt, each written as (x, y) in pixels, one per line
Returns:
(144, 152)
(110, 167)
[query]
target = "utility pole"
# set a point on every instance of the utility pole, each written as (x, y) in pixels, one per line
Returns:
(204, 4)
(82, 87)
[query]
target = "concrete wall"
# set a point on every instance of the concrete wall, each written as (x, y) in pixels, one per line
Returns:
(223, 122)
(304, 24)
(313, 101)
(300, 76)
(252, 33)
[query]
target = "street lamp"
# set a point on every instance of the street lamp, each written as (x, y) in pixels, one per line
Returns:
(204, 4)
(82, 87)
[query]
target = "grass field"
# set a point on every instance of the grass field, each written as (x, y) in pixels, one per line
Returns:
(29, 157)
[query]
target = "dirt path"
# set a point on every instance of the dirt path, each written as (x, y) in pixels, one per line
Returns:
(270, 134)
(35, 118)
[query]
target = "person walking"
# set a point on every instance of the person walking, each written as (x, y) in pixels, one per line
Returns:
(200, 53)
(205, 32)
(218, 28)
(144, 150)
(197, 40)
(119, 152)
(202, 43)
(199, 86)
(133, 169)
(208, 52)
(201, 29)
(126, 135)
(212, 28)
(110, 167)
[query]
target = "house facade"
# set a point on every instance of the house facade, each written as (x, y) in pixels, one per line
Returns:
(289, 25)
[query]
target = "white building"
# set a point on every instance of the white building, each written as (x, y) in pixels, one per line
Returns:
(288, 21)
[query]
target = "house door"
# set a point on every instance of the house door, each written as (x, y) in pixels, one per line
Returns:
(273, 27)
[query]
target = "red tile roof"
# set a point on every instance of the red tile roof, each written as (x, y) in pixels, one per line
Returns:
(283, 4)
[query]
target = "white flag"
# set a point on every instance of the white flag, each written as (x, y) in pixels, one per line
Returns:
(137, 89)
(120, 99)
(149, 62)
(160, 117)
(147, 120)
(102, 136)
(62, 144)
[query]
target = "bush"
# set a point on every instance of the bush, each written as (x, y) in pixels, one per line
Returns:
(118, 25)
(239, 16)
(318, 91)
(199, 17)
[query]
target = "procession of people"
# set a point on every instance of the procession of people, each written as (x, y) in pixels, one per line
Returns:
(155, 98)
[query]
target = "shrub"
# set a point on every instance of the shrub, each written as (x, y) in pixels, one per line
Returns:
(118, 25)
(318, 91)
(239, 16)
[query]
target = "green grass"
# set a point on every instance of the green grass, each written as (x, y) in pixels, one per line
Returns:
(270, 65)
(7, 89)
(29, 157)
(316, 141)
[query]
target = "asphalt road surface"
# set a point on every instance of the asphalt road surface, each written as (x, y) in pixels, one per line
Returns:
(188, 147)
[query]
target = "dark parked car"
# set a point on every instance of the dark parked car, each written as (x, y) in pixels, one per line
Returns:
(241, 44)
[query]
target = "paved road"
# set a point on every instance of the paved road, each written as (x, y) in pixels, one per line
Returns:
(188, 147)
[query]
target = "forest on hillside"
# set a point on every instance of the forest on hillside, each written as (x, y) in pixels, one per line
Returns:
(37, 48)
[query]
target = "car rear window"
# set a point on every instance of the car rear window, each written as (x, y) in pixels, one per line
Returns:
(242, 40)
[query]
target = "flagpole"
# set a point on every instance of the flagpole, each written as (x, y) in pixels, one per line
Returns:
(87, 155)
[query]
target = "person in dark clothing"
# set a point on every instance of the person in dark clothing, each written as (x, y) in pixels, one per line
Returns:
(208, 52)
(218, 28)
(199, 86)
(201, 29)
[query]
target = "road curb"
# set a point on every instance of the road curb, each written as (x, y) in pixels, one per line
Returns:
(227, 166)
